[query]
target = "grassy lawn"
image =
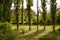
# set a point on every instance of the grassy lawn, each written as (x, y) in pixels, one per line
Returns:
(51, 36)
(33, 27)
(32, 34)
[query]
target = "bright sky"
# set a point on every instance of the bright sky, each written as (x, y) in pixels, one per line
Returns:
(34, 7)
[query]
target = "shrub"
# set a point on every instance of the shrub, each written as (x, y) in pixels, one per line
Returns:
(23, 31)
(57, 32)
(6, 33)
(45, 38)
(5, 25)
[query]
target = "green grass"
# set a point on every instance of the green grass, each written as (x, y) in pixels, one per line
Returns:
(33, 27)
(25, 28)
(51, 36)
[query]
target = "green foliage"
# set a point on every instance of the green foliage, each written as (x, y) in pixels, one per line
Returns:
(23, 31)
(31, 2)
(34, 19)
(58, 17)
(45, 38)
(5, 10)
(26, 39)
(51, 36)
(29, 38)
(13, 20)
(57, 32)
(6, 33)
(5, 25)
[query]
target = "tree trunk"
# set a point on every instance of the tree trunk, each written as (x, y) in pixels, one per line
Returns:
(43, 3)
(37, 16)
(22, 14)
(53, 12)
(28, 13)
(17, 14)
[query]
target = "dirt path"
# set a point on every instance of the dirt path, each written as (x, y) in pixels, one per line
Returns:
(41, 35)
(32, 34)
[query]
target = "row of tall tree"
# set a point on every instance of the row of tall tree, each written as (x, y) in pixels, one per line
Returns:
(43, 4)
(5, 10)
(52, 9)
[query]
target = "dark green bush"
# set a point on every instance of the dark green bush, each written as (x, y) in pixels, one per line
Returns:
(57, 32)
(45, 38)
(23, 31)
(5, 25)
(6, 33)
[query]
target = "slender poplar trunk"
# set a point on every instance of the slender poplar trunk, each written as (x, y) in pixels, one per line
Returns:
(53, 12)
(17, 14)
(22, 14)
(37, 16)
(28, 13)
(43, 3)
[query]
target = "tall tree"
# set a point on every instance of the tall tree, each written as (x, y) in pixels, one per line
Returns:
(1, 11)
(22, 14)
(37, 16)
(5, 10)
(28, 13)
(29, 4)
(17, 13)
(43, 3)
(53, 12)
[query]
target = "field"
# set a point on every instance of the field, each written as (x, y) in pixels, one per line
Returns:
(33, 34)
(34, 27)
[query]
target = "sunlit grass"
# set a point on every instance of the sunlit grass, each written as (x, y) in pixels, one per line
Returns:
(34, 27)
